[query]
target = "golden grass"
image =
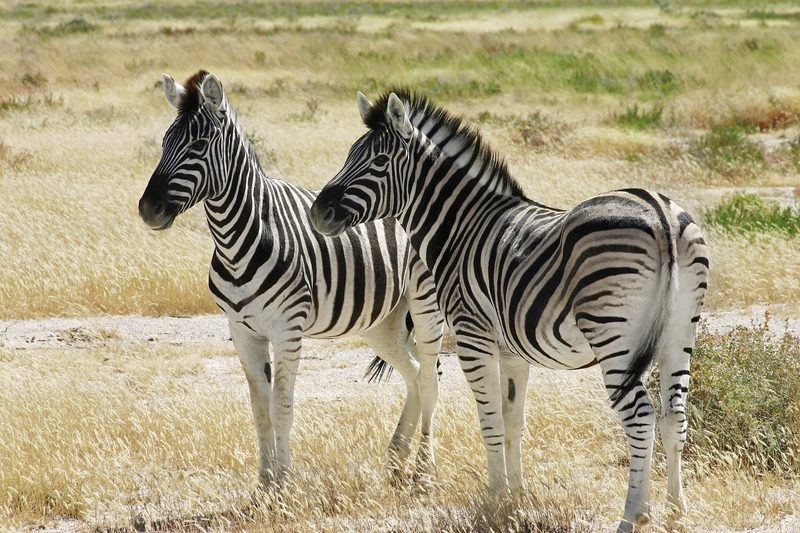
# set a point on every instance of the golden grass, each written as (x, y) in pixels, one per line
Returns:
(117, 435)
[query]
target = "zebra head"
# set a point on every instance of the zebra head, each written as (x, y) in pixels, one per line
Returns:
(372, 183)
(191, 167)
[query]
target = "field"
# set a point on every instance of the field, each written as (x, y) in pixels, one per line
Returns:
(698, 99)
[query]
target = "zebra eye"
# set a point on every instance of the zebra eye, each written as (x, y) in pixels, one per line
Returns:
(381, 160)
(199, 145)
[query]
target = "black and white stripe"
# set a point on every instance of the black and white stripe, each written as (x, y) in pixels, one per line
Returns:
(279, 281)
(618, 281)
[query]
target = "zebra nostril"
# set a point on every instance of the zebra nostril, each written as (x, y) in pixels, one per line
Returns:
(330, 214)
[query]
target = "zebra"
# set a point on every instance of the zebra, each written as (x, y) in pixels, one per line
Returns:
(278, 281)
(617, 281)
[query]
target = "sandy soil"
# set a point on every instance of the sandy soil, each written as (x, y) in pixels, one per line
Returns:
(326, 364)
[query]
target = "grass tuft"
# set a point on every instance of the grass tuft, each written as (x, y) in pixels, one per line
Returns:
(660, 82)
(727, 150)
(640, 119)
(745, 213)
(74, 26)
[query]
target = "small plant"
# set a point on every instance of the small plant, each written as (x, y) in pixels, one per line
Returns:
(727, 150)
(639, 118)
(16, 103)
(33, 79)
(311, 112)
(538, 129)
(595, 20)
(749, 213)
(260, 58)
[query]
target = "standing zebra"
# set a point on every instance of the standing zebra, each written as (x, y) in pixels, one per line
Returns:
(617, 281)
(278, 280)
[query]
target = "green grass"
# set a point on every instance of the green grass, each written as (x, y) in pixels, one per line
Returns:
(751, 214)
(758, 14)
(414, 10)
(639, 118)
(744, 399)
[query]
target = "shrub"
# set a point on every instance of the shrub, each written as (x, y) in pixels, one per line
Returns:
(748, 213)
(538, 129)
(744, 397)
(70, 27)
(641, 119)
(727, 150)
(662, 82)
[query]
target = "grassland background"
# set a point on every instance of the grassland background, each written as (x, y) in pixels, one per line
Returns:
(696, 99)
(82, 115)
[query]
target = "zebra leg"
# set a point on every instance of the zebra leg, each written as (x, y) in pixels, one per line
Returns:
(428, 326)
(514, 373)
(678, 347)
(481, 369)
(389, 340)
(287, 349)
(254, 355)
(674, 374)
(638, 420)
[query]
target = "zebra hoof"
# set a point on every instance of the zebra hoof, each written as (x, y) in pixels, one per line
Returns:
(642, 518)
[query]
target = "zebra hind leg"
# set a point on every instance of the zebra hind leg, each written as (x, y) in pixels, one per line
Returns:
(638, 417)
(674, 361)
(389, 341)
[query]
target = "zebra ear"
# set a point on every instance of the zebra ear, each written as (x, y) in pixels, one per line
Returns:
(173, 91)
(364, 106)
(398, 117)
(211, 89)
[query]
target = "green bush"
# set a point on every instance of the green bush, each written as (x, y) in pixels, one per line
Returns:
(744, 400)
(727, 150)
(749, 213)
(641, 119)
(72, 26)
(662, 82)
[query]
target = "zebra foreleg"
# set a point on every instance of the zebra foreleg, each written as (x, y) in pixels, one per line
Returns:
(253, 353)
(482, 371)
(514, 373)
(427, 327)
(287, 349)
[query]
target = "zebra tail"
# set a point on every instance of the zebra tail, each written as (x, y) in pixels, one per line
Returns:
(378, 370)
(653, 334)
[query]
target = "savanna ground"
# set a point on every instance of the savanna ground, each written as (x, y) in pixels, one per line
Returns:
(122, 422)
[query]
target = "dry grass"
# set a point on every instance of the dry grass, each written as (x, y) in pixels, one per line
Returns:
(119, 434)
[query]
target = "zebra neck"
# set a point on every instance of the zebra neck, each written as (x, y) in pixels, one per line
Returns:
(239, 218)
(456, 190)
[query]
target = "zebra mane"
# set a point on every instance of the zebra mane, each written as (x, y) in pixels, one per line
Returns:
(422, 111)
(190, 102)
